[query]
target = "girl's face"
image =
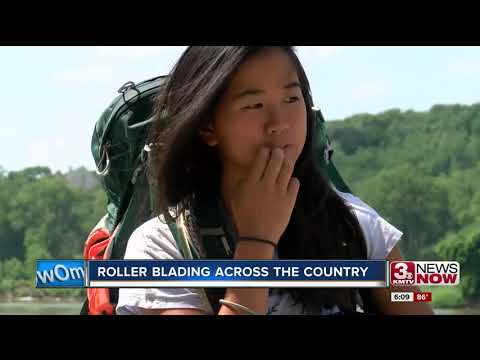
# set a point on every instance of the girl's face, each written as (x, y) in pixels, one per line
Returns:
(262, 106)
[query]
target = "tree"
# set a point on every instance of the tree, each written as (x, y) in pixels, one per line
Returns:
(412, 202)
(464, 247)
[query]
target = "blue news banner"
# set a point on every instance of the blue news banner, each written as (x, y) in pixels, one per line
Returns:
(212, 273)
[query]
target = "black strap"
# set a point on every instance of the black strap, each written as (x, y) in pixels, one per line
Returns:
(217, 235)
(84, 310)
(367, 300)
(366, 293)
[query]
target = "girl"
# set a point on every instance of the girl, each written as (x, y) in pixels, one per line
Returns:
(236, 123)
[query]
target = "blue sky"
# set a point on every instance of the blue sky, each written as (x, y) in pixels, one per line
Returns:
(50, 97)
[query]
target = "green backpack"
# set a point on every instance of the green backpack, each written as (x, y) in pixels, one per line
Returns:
(120, 152)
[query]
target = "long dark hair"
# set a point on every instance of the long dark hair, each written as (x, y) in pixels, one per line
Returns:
(321, 225)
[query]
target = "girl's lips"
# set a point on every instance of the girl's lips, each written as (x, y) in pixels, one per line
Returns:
(284, 147)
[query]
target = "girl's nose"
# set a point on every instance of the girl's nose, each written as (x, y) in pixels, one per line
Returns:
(277, 123)
(277, 129)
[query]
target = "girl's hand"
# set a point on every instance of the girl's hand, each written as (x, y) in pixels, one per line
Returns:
(263, 202)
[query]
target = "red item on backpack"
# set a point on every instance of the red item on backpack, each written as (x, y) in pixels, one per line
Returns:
(95, 247)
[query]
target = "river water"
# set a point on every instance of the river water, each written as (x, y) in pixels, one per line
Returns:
(73, 308)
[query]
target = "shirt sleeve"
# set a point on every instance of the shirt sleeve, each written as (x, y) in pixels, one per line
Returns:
(380, 235)
(384, 236)
(153, 240)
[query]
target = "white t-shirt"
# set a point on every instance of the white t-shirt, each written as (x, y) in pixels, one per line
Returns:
(153, 240)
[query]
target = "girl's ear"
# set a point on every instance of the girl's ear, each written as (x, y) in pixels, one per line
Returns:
(208, 135)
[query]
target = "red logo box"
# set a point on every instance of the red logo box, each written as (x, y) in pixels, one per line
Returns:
(402, 273)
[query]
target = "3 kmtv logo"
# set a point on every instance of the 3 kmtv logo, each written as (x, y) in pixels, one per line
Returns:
(411, 273)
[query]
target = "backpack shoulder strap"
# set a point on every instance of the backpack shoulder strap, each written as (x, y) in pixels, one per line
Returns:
(365, 294)
(213, 242)
(181, 235)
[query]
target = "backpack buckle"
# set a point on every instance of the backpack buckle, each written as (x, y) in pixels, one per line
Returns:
(328, 152)
(106, 169)
(129, 85)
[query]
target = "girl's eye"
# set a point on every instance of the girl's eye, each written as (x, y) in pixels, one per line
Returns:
(253, 107)
(292, 99)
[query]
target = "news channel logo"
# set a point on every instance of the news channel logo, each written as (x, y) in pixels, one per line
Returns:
(414, 273)
(60, 273)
